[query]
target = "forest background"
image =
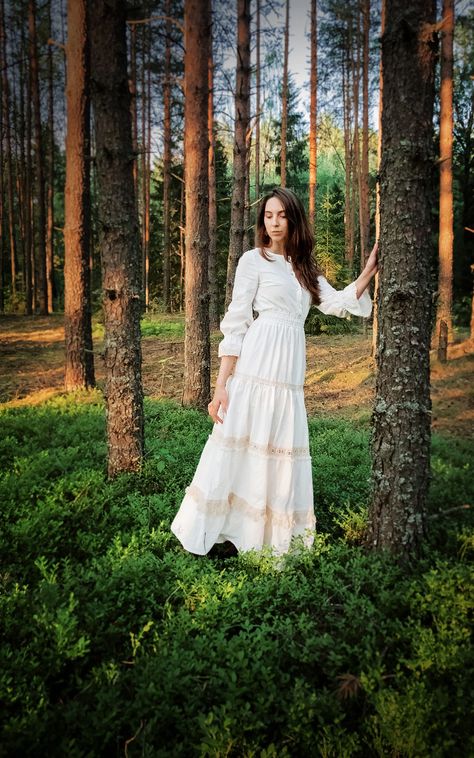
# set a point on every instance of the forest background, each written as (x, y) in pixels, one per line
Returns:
(105, 621)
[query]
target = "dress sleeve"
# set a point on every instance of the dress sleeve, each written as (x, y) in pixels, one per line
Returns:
(342, 302)
(239, 314)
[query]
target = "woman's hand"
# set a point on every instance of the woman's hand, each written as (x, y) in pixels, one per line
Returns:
(220, 400)
(372, 260)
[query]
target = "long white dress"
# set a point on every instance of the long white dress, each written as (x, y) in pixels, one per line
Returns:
(253, 483)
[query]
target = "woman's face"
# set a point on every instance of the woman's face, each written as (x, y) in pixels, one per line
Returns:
(276, 223)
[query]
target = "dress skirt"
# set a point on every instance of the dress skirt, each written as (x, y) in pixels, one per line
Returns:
(253, 483)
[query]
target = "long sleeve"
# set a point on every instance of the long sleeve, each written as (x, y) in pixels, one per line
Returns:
(342, 302)
(239, 314)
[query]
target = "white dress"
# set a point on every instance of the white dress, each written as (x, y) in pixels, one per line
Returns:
(253, 483)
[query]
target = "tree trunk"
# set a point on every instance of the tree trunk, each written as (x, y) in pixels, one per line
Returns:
(8, 147)
(29, 236)
(445, 245)
(42, 283)
(348, 222)
(133, 103)
(119, 235)
(242, 109)
(213, 279)
(377, 188)
(402, 411)
(167, 165)
(313, 114)
(50, 199)
(197, 353)
(364, 171)
(284, 97)
(356, 173)
(258, 104)
(79, 373)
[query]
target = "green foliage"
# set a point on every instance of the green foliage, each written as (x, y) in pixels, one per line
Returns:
(113, 636)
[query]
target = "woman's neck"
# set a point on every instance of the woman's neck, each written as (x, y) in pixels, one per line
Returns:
(277, 247)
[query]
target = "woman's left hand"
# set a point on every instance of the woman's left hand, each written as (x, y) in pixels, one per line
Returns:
(372, 260)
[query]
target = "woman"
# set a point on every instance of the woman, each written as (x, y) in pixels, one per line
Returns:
(253, 484)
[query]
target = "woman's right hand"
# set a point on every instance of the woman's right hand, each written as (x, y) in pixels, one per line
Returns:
(220, 400)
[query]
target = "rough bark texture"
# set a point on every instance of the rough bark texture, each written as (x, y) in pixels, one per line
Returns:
(197, 358)
(242, 110)
(79, 373)
(402, 411)
(213, 280)
(41, 272)
(118, 234)
(446, 235)
(313, 112)
(167, 165)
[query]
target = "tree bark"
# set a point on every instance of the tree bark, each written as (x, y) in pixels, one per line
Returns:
(258, 103)
(364, 170)
(118, 235)
(197, 354)
(313, 114)
(446, 234)
(213, 279)
(167, 165)
(42, 283)
(377, 187)
(284, 97)
(50, 197)
(402, 411)
(8, 148)
(79, 373)
(242, 110)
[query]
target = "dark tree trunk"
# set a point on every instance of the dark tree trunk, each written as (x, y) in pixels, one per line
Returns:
(242, 111)
(213, 281)
(42, 282)
(50, 198)
(79, 373)
(377, 188)
(197, 354)
(8, 147)
(258, 103)
(118, 235)
(313, 114)
(167, 165)
(27, 201)
(402, 411)
(364, 172)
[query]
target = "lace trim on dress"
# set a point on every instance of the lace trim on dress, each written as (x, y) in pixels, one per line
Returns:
(266, 515)
(268, 382)
(245, 443)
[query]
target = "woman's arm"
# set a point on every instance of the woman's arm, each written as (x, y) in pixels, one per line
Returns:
(369, 271)
(220, 398)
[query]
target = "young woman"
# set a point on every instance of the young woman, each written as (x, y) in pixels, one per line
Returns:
(253, 484)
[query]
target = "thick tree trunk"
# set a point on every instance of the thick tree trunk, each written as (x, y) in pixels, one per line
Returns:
(213, 279)
(118, 234)
(79, 373)
(167, 165)
(402, 411)
(242, 111)
(446, 234)
(284, 97)
(313, 114)
(197, 353)
(42, 283)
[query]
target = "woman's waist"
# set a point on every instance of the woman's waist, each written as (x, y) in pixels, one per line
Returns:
(280, 314)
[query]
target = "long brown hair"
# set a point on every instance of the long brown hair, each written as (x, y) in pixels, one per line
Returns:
(300, 240)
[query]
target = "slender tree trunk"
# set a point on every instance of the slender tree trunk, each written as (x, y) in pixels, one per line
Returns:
(2, 207)
(213, 279)
(446, 235)
(50, 199)
(197, 354)
(143, 164)
(42, 285)
(313, 114)
(348, 240)
(79, 373)
(167, 165)
(182, 251)
(147, 174)
(364, 172)
(356, 177)
(377, 189)
(284, 96)
(258, 104)
(402, 411)
(30, 298)
(242, 110)
(246, 239)
(8, 148)
(133, 102)
(119, 235)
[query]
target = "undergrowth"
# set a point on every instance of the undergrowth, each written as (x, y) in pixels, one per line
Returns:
(114, 639)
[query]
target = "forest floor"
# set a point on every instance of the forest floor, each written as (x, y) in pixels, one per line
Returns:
(340, 379)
